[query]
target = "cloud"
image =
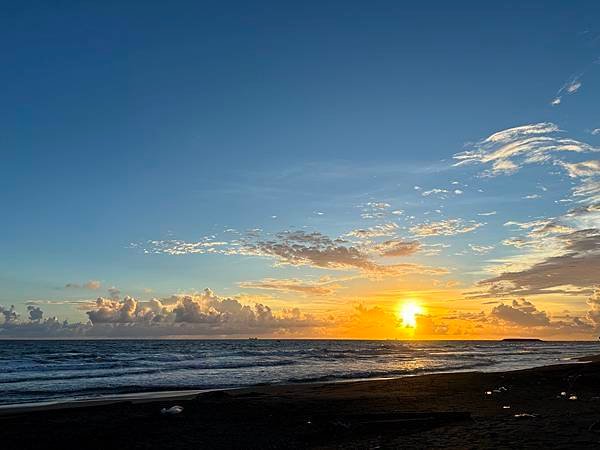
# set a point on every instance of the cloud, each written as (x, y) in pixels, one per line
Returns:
(582, 169)
(127, 310)
(447, 227)
(577, 264)
(179, 247)
(573, 86)
(298, 248)
(114, 293)
(386, 229)
(374, 210)
(9, 314)
(35, 313)
(532, 197)
(542, 227)
(589, 190)
(593, 314)
(392, 248)
(314, 249)
(91, 285)
(379, 205)
(521, 312)
(570, 87)
(481, 249)
(204, 314)
(292, 285)
(490, 213)
(200, 314)
(508, 150)
(435, 191)
(441, 193)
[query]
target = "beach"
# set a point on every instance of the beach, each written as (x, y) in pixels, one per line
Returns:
(554, 406)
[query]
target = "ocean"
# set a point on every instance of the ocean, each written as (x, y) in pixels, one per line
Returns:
(37, 371)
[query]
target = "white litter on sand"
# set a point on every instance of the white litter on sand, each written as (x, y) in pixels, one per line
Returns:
(172, 410)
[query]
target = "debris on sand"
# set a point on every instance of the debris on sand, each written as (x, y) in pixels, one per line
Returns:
(172, 410)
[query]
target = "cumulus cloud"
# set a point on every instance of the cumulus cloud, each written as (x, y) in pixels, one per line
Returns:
(521, 312)
(9, 314)
(204, 314)
(593, 314)
(35, 313)
(447, 227)
(508, 150)
(292, 285)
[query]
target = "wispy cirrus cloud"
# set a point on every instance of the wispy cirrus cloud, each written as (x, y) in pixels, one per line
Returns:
(582, 169)
(570, 87)
(320, 287)
(509, 150)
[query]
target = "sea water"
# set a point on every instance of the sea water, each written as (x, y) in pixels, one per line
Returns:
(35, 371)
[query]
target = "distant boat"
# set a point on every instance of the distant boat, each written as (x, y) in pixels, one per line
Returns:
(521, 340)
(253, 339)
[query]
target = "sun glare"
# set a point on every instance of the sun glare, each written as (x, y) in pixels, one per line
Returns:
(408, 312)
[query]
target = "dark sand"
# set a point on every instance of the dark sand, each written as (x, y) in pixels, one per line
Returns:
(366, 414)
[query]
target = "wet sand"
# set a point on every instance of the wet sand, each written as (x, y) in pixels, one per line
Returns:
(457, 410)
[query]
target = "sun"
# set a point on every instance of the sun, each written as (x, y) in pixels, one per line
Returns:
(408, 312)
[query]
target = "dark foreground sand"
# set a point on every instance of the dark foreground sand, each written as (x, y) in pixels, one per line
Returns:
(432, 411)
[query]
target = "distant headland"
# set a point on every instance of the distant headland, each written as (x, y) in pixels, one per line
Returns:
(521, 340)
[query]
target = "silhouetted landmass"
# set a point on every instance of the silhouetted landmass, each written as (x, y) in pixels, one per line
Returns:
(521, 340)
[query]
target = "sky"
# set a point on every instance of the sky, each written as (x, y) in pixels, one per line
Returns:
(300, 169)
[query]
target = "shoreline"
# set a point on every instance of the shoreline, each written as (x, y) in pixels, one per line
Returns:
(190, 394)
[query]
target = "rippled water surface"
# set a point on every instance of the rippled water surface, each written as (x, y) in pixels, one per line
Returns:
(32, 371)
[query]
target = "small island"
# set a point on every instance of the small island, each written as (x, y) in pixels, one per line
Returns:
(521, 340)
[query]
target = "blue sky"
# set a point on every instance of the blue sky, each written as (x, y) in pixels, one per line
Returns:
(124, 123)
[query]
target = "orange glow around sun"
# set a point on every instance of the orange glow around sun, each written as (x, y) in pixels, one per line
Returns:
(408, 312)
